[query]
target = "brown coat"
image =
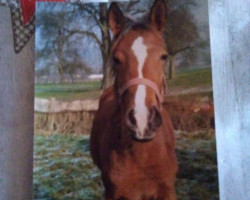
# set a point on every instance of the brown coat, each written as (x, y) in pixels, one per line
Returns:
(130, 169)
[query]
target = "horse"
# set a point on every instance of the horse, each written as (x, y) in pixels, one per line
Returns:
(132, 140)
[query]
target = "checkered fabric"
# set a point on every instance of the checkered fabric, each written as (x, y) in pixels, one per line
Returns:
(21, 32)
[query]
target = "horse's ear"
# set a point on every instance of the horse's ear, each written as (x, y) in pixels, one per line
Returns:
(157, 16)
(116, 19)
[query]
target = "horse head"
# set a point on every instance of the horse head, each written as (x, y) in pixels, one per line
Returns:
(139, 56)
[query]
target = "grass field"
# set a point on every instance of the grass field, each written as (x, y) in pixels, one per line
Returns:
(69, 91)
(193, 78)
(91, 90)
(63, 169)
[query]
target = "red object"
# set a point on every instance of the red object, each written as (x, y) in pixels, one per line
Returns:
(28, 8)
(52, 0)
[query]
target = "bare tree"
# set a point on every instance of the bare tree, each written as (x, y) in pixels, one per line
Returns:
(181, 31)
(98, 13)
(52, 19)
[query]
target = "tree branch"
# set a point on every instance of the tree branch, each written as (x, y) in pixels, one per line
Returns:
(130, 5)
(138, 11)
(187, 47)
(94, 13)
(87, 33)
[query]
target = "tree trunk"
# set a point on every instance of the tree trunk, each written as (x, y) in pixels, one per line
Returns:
(106, 46)
(171, 67)
(108, 77)
(72, 78)
(61, 73)
(17, 114)
(59, 53)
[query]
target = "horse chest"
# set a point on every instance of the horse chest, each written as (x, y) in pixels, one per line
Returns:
(137, 169)
(136, 178)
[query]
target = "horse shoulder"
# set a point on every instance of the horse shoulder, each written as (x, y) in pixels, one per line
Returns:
(101, 123)
(167, 121)
(170, 139)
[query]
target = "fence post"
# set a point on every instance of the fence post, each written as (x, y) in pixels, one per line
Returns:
(230, 46)
(16, 114)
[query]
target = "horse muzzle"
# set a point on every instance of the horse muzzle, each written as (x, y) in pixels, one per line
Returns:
(154, 121)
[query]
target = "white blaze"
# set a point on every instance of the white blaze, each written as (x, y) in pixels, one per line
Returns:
(141, 111)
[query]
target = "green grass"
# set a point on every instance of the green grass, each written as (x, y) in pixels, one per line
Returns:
(63, 168)
(193, 78)
(91, 90)
(70, 95)
(197, 177)
(88, 85)
(69, 91)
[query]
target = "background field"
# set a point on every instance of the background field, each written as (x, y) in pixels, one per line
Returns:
(199, 79)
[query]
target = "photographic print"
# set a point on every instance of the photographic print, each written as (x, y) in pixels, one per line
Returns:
(124, 100)
(139, 70)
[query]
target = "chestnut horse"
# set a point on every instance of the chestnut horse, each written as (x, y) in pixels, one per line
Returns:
(132, 140)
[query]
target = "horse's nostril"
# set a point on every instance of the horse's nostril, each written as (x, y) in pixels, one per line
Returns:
(131, 121)
(155, 119)
(131, 116)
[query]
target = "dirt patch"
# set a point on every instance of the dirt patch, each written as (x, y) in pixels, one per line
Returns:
(190, 115)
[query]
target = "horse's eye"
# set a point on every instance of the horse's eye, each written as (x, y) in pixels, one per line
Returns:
(164, 57)
(116, 61)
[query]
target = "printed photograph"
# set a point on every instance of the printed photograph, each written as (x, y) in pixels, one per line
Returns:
(123, 101)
